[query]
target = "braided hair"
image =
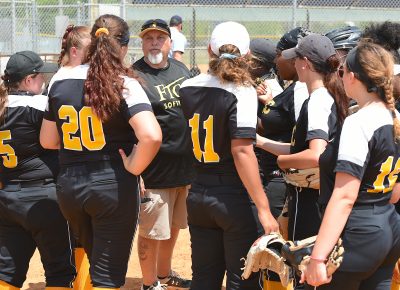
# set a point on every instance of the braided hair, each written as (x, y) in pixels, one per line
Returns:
(374, 67)
(72, 37)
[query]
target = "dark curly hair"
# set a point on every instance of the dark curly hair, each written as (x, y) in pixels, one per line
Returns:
(386, 34)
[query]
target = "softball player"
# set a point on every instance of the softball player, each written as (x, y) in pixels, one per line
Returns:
(91, 112)
(365, 174)
(316, 64)
(29, 213)
(277, 118)
(221, 108)
(73, 48)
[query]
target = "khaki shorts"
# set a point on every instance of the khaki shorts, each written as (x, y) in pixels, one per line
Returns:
(161, 210)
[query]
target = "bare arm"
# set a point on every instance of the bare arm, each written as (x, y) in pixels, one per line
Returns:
(49, 138)
(247, 167)
(148, 132)
(336, 215)
(178, 55)
(308, 158)
(274, 147)
(395, 194)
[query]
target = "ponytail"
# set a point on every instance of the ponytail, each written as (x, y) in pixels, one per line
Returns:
(230, 66)
(376, 72)
(334, 85)
(104, 85)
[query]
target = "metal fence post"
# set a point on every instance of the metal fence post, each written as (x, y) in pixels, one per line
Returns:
(122, 11)
(78, 13)
(294, 22)
(60, 7)
(13, 26)
(193, 39)
(35, 25)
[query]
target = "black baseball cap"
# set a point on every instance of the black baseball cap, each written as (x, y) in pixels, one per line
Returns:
(155, 24)
(24, 63)
(175, 20)
(264, 50)
(317, 48)
(291, 38)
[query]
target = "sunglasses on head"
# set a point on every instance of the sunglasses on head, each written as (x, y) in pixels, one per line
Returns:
(155, 22)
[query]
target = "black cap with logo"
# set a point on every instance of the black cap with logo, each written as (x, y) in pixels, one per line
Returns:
(155, 24)
(24, 63)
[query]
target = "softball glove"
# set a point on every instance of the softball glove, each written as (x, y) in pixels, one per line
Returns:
(298, 253)
(303, 177)
(271, 252)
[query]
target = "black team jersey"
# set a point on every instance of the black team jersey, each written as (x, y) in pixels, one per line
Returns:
(367, 151)
(217, 113)
(278, 118)
(317, 120)
(173, 164)
(84, 136)
(23, 157)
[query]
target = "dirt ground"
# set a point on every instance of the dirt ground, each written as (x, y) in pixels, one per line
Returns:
(181, 263)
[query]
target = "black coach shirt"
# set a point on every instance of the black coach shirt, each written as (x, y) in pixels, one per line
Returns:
(317, 120)
(83, 136)
(23, 157)
(217, 113)
(278, 118)
(173, 164)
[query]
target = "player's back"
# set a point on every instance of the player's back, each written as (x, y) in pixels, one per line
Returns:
(217, 113)
(84, 136)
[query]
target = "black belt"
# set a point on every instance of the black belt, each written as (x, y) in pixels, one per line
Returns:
(29, 183)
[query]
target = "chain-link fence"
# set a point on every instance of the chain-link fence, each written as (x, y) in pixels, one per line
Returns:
(39, 24)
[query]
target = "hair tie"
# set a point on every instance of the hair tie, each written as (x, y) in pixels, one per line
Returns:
(101, 30)
(228, 56)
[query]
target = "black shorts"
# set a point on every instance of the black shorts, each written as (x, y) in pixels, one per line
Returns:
(30, 217)
(100, 200)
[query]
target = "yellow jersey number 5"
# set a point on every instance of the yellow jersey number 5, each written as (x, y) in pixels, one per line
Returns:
(10, 160)
(90, 127)
(208, 155)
